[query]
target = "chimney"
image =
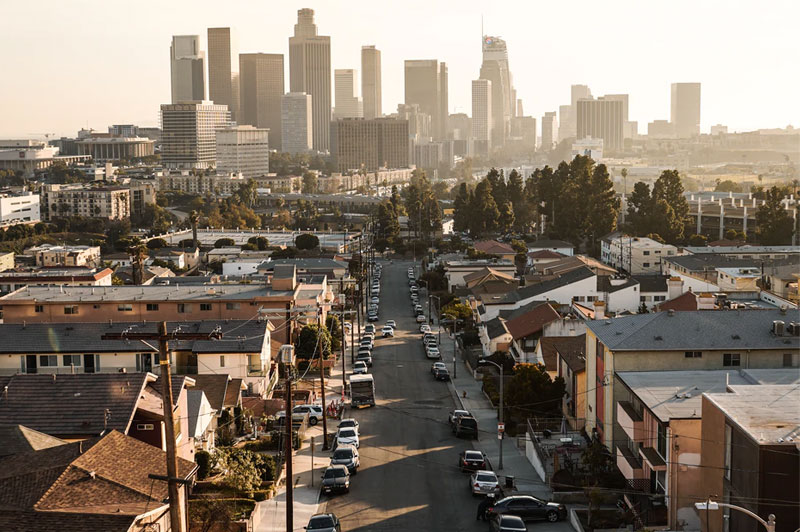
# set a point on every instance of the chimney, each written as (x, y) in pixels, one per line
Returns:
(599, 310)
(674, 287)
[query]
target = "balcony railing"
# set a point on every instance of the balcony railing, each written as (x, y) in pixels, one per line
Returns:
(649, 509)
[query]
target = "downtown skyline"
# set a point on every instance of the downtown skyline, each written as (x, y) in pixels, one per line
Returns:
(99, 88)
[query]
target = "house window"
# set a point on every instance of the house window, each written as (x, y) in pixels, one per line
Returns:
(184, 308)
(731, 359)
(205, 306)
(233, 306)
(125, 307)
(48, 361)
(659, 298)
(591, 298)
(71, 360)
(222, 361)
(38, 308)
(789, 360)
(645, 252)
(71, 309)
(693, 354)
(645, 264)
(152, 307)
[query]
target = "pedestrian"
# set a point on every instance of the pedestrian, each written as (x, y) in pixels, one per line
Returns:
(484, 506)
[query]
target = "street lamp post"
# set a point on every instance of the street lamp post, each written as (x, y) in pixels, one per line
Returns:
(769, 524)
(455, 341)
(501, 435)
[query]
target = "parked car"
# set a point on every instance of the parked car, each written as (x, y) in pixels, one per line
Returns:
(347, 436)
(324, 523)
(369, 329)
(370, 335)
(373, 317)
(346, 455)
(437, 365)
(529, 508)
(424, 328)
(365, 357)
(432, 352)
(314, 412)
(375, 300)
(421, 318)
(387, 331)
(455, 414)
(368, 343)
(335, 479)
(471, 461)
(441, 374)
(466, 426)
(391, 323)
(507, 523)
(348, 423)
(483, 482)
(360, 368)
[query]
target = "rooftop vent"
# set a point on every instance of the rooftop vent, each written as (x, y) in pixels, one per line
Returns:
(777, 327)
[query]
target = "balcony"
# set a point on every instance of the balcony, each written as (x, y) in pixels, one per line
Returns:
(653, 459)
(630, 421)
(628, 463)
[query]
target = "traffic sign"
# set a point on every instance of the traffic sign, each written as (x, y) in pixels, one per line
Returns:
(501, 427)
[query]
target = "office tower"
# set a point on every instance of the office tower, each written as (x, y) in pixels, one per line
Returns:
(495, 69)
(685, 109)
(579, 92)
(261, 88)
(187, 69)
(459, 126)
(601, 119)
(524, 128)
(661, 129)
(357, 143)
(426, 86)
(514, 103)
(627, 128)
(549, 130)
(243, 149)
(296, 122)
(519, 108)
(566, 118)
(482, 114)
(188, 133)
(371, 81)
(310, 72)
(419, 123)
(223, 69)
(347, 104)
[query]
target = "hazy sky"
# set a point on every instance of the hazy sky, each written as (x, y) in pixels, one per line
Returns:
(77, 63)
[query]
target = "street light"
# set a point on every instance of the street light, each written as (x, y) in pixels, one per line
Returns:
(501, 435)
(455, 339)
(769, 524)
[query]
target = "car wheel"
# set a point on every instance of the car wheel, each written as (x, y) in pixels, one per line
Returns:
(313, 421)
(552, 516)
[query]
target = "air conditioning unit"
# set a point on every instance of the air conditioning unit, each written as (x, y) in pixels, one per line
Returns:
(777, 327)
(145, 426)
(794, 328)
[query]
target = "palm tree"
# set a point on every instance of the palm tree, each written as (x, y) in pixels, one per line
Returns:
(194, 218)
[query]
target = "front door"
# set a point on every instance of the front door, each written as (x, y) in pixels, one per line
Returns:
(88, 364)
(30, 363)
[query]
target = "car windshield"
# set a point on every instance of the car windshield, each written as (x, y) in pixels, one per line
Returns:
(342, 454)
(347, 433)
(347, 423)
(335, 472)
(486, 477)
(460, 413)
(320, 522)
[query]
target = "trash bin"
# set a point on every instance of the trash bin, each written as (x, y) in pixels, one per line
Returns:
(509, 481)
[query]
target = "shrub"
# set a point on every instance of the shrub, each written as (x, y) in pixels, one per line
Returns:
(306, 241)
(203, 459)
(224, 242)
(156, 243)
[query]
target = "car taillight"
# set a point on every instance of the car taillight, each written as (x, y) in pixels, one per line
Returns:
(477, 485)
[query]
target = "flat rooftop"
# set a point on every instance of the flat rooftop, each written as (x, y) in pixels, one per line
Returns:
(769, 414)
(143, 293)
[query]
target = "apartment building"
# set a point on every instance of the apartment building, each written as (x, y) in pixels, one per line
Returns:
(635, 255)
(19, 208)
(50, 255)
(109, 203)
(11, 281)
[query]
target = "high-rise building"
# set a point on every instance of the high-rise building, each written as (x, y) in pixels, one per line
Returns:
(310, 72)
(426, 86)
(347, 104)
(243, 149)
(482, 115)
(296, 122)
(459, 126)
(371, 81)
(685, 109)
(419, 123)
(188, 133)
(601, 119)
(262, 86)
(566, 119)
(357, 143)
(524, 128)
(549, 130)
(495, 69)
(628, 128)
(223, 69)
(187, 68)
(579, 92)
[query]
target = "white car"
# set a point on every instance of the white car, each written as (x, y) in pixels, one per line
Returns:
(388, 331)
(369, 329)
(421, 318)
(347, 436)
(433, 352)
(483, 483)
(360, 368)
(391, 323)
(348, 423)
(375, 300)
(424, 328)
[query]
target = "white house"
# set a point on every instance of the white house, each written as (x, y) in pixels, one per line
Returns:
(559, 246)
(635, 255)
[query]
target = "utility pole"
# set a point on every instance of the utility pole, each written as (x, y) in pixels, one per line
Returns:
(500, 434)
(322, 383)
(289, 423)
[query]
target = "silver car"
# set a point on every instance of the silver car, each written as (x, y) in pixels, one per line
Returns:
(483, 483)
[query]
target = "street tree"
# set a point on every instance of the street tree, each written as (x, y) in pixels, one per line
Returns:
(775, 224)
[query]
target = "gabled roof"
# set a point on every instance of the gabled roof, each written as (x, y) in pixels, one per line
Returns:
(487, 274)
(604, 284)
(574, 262)
(493, 247)
(532, 321)
(20, 439)
(532, 291)
(549, 244)
(495, 328)
(685, 301)
(72, 405)
(545, 254)
(233, 394)
(178, 382)
(214, 386)
(571, 349)
(197, 407)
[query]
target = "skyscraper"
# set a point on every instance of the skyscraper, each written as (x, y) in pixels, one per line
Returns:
(549, 130)
(347, 105)
(628, 128)
(495, 69)
(310, 72)
(243, 149)
(296, 122)
(223, 69)
(371, 144)
(426, 86)
(568, 114)
(685, 109)
(482, 109)
(188, 133)
(601, 119)
(261, 86)
(187, 69)
(371, 81)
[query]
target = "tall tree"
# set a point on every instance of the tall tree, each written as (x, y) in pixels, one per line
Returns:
(668, 187)
(310, 183)
(484, 213)
(775, 224)
(602, 206)
(461, 207)
(194, 218)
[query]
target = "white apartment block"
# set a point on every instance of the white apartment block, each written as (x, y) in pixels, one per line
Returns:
(16, 209)
(63, 201)
(243, 150)
(635, 255)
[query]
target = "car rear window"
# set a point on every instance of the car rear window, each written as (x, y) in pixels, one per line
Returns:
(474, 455)
(342, 454)
(317, 523)
(347, 433)
(468, 422)
(485, 477)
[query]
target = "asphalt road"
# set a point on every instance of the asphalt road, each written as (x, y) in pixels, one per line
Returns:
(408, 478)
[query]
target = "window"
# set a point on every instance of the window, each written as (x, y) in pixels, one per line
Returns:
(184, 308)
(71, 360)
(645, 264)
(693, 354)
(38, 308)
(125, 307)
(645, 253)
(72, 309)
(789, 360)
(731, 359)
(48, 360)
(222, 361)
(233, 306)
(152, 307)
(659, 298)
(662, 441)
(205, 306)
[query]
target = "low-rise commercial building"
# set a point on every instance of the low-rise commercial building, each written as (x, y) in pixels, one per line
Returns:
(30, 156)
(19, 208)
(102, 148)
(61, 201)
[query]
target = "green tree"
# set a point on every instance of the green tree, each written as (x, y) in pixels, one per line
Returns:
(306, 241)
(668, 187)
(259, 242)
(334, 326)
(774, 222)
(224, 242)
(698, 240)
(388, 226)
(485, 216)
(727, 186)
(310, 183)
(247, 193)
(516, 195)
(461, 208)
(602, 206)
(240, 466)
(156, 243)
(506, 219)
(312, 341)
(530, 384)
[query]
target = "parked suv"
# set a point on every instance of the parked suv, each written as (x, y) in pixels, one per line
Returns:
(346, 455)
(314, 412)
(466, 426)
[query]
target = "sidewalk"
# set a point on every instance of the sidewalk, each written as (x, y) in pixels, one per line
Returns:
(514, 461)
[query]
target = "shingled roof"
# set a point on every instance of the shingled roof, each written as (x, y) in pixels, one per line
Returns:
(532, 321)
(19, 439)
(534, 290)
(214, 386)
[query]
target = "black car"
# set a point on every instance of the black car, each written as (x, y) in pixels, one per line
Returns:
(529, 508)
(471, 461)
(507, 523)
(324, 523)
(441, 374)
(336, 478)
(466, 426)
